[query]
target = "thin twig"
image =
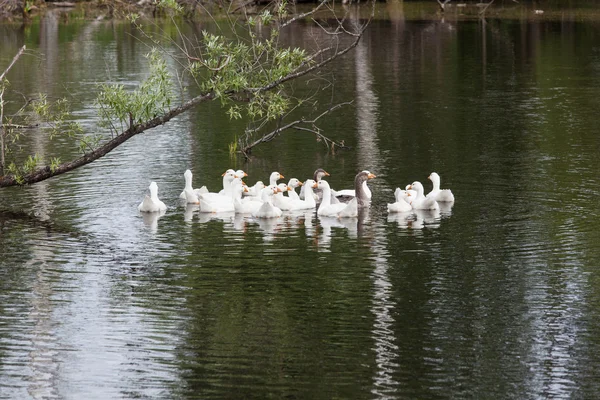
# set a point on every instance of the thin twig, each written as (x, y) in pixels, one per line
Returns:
(295, 124)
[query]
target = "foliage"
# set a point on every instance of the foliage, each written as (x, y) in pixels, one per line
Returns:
(153, 97)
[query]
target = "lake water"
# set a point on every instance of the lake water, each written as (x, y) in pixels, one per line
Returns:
(498, 296)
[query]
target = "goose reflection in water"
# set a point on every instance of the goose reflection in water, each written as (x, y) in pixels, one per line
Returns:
(150, 219)
(416, 219)
(188, 213)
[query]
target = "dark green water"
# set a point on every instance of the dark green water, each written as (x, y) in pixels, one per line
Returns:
(496, 297)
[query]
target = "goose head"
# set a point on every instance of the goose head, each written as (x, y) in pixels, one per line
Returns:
(294, 183)
(319, 174)
(435, 179)
(323, 185)
(240, 174)
(416, 186)
(282, 188)
(275, 176)
(363, 176)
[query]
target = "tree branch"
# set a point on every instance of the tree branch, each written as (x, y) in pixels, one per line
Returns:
(14, 60)
(46, 172)
(295, 124)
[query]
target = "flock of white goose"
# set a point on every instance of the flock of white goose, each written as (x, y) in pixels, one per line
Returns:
(268, 201)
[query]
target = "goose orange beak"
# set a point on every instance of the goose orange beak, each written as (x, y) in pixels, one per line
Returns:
(281, 176)
(326, 173)
(223, 174)
(409, 187)
(300, 183)
(245, 175)
(371, 176)
(246, 189)
(289, 188)
(315, 185)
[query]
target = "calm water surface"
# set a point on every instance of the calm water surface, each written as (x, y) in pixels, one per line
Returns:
(498, 296)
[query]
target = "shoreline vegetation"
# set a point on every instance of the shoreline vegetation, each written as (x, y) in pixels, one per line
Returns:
(25, 10)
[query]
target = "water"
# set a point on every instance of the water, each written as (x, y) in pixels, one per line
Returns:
(496, 297)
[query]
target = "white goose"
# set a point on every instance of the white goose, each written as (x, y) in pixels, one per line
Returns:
(267, 209)
(274, 177)
(309, 200)
(243, 207)
(293, 183)
(192, 194)
(402, 203)
(317, 176)
(279, 200)
(255, 190)
(152, 203)
(214, 202)
(420, 202)
(226, 191)
(437, 194)
(326, 209)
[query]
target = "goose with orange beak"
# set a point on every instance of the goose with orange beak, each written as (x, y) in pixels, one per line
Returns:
(267, 209)
(319, 174)
(421, 202)
(274, 177)
(437, 194)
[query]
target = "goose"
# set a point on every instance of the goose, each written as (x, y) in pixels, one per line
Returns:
(348, 194)
(228, 177)
(214, 202)
(243, 207)
(402, 203)
(275, 176)
(361, 200)
(294, 183)
(363, 194)
(281, 202)
(309, 201)
(437, 194)
(326, 209)
(193, 193)
(152, 203)
(317, 176)
(267, 209)
(255, 190)
(226, 191)
(420, 202)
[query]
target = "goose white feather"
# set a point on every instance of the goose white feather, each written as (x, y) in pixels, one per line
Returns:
(152, 203)
(309, 201)
(420, 202)
(267, 209)
(437, 194)
(274, 177)
(187, 175)
(215, 202)
(279, 200)
(402, 203)
(293, 183)
(326, 209)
